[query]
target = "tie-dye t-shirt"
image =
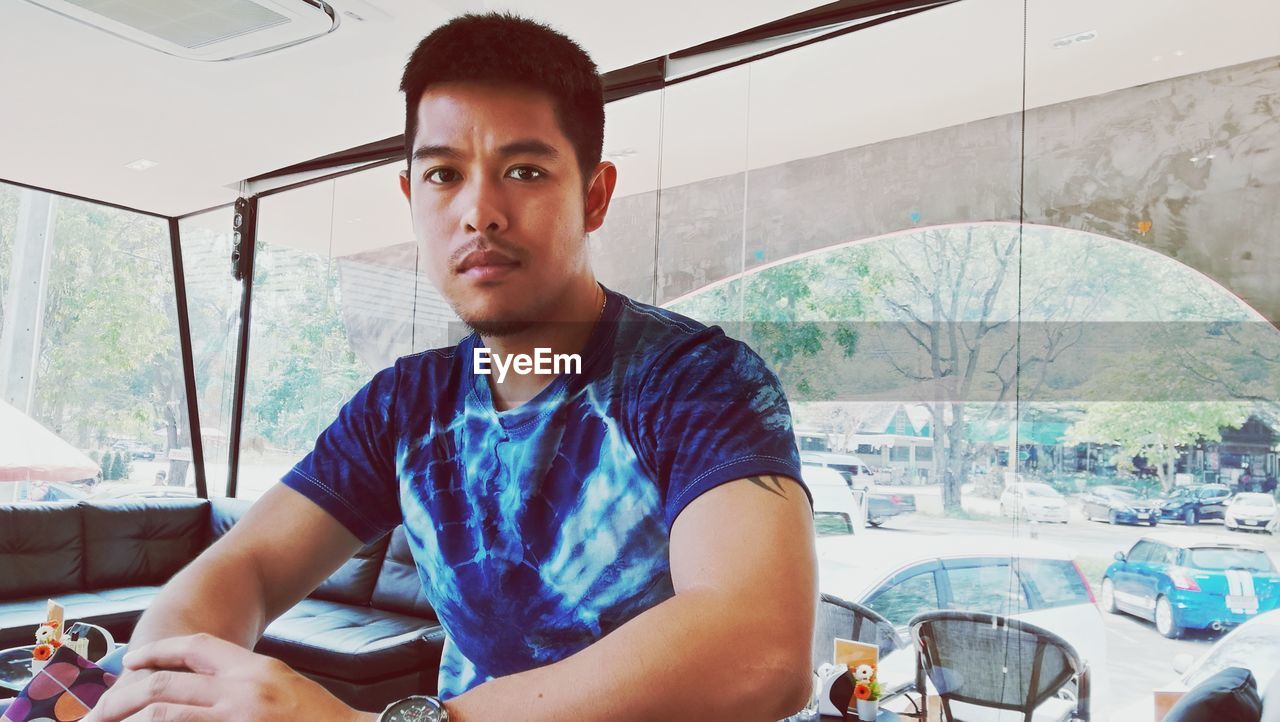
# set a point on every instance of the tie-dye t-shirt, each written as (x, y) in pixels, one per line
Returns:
(538, 530)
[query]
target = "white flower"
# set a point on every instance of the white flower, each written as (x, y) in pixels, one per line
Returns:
(864, 672)
(44, 634)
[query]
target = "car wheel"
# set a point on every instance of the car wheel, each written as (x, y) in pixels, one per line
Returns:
(1189, 517)
(875, 521)
(1151, 523)
(1109, 597)
(1113, 517)
(1166, 624)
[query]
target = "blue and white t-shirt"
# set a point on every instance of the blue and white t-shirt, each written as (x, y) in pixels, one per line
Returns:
(538, 530)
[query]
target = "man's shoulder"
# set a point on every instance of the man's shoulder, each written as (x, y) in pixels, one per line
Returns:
(660, 336)
(431, 368)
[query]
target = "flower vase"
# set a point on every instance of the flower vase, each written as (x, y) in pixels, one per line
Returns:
(37, 665)
(868, 709)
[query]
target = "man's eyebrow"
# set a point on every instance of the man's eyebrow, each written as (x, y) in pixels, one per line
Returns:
(423, 152)
(530, 146)
(527, 146)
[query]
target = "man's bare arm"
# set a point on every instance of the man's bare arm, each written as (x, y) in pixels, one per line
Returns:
(282, 549)
(732, 644)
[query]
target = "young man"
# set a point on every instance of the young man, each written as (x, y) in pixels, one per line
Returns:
(621, 540)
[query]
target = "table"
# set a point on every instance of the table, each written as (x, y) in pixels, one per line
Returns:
(15, 670)
(884, 716)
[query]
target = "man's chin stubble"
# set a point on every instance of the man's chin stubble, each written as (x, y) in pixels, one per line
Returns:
(497, 328)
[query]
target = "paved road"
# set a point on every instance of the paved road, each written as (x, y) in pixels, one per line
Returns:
(1140, 659)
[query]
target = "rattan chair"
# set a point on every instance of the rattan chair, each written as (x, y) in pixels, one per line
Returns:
(992, 661)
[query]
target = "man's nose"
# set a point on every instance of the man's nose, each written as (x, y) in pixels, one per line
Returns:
(485, 207)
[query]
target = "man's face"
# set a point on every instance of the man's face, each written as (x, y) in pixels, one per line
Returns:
(498, 205)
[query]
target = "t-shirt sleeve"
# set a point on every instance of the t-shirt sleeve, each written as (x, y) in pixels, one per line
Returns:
(710, 411)
(351, 471)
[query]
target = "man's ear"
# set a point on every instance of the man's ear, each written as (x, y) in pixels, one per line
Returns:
(599, 193)
(404, 184)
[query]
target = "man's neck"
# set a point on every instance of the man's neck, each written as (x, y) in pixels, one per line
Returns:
(566, 333)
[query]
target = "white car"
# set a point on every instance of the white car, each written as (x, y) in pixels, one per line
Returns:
(1254, 645)
(836, 508)
(1252, 511)
(1033, 501)
(1014, 577)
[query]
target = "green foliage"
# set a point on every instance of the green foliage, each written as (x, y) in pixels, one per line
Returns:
(112, 466)
(799, 316)
(303, 367)
(1156, 429)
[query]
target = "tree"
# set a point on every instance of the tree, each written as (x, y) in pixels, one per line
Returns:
(1155, 429)
(796, 315)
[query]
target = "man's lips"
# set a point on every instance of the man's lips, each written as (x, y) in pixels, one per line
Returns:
(486, 264)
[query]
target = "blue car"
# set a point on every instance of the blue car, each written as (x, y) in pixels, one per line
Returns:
(1191, 582)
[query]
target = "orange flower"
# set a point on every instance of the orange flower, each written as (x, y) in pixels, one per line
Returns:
(53, 623)
(42, 652)
(55, 643)
(862, 690)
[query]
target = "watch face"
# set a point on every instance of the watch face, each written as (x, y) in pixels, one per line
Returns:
(413, 710)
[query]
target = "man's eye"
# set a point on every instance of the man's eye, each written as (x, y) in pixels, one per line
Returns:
(525, 173)
(440, 175)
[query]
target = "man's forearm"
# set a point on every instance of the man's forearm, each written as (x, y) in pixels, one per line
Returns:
(210, 595)
(695, 657)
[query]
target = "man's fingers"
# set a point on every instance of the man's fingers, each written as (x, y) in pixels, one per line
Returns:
(174, 713)
(203, 653)
(164, 690)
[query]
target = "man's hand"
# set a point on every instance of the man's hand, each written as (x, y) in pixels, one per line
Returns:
(201, 678)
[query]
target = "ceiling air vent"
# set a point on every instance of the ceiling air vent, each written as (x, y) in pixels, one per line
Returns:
(204, 29)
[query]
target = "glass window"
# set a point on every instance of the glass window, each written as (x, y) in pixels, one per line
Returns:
(337, 297)
(1143, 551)
(988, 588)
(1053, 582)
(1217, 559)
(906, 598)
(90, 364)
(832, 523)
(213, 310)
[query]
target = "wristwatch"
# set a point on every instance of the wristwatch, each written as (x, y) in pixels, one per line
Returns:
(418, 708)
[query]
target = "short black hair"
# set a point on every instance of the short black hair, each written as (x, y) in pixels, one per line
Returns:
(507, 49)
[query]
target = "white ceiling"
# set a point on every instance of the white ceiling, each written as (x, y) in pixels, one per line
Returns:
(82, 104)
(78, 104)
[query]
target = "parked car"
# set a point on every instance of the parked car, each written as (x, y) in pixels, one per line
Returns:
(135, 450)
(882, 504)
(1118, 505)
(1254, 645)
(1195, 503)
(1029, 580)
(836, 509)
(1191, 582)
(1033, 501)
(1252, 511)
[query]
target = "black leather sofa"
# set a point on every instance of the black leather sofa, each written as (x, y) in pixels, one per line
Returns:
(367, 633)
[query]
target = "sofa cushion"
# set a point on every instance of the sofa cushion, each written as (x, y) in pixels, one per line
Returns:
(354, 580)
(399, 588)
(1231, 694)
(223, 514)
(141, 542)
(352, 643)
(114, 609)
(41, 551)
